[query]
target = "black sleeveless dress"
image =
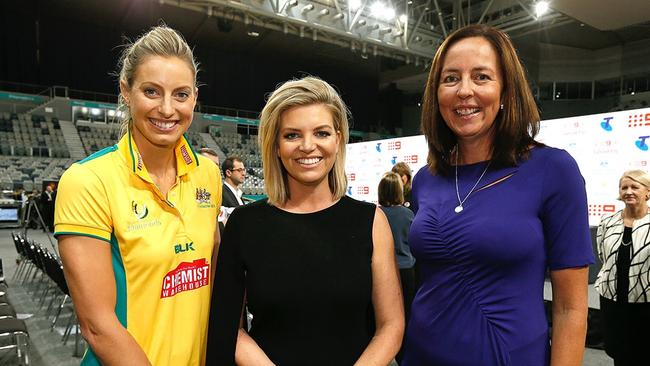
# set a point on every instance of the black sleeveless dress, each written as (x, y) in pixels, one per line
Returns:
(307, 280)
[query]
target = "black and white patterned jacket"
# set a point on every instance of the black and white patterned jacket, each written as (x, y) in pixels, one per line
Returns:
(608, 241)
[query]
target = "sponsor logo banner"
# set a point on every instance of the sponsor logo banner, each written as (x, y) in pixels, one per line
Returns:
(187, 276)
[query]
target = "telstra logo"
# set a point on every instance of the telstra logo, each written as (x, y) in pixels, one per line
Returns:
(640, 143)
(605, 123)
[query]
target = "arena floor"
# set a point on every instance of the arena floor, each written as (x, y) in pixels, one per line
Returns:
(47, 348)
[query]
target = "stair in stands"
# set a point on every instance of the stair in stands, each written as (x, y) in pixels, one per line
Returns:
(73, 140)
(210, 143)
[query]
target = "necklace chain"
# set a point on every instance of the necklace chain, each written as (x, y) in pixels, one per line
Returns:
(459, 208)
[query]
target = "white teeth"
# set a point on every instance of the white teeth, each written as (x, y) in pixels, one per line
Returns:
(309, 161)
(466, 111)
(162, 125)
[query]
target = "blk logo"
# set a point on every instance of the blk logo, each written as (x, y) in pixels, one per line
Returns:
(393, 160)
(181, 248)
(605, 124)
(378, 147)
(349, 190)
(640, 143)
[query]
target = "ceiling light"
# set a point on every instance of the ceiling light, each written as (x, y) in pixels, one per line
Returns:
(354, 4)
(403, 18)
(380, 10)
(541, 8)
(253, 33)
(377, 9)
(389, 13)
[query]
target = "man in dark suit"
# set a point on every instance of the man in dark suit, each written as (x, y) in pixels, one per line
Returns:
(47, 207)
(234, 175)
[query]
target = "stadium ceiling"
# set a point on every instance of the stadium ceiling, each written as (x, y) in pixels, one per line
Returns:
(411, 32)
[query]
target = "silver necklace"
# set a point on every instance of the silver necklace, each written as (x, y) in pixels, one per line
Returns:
(459, 208)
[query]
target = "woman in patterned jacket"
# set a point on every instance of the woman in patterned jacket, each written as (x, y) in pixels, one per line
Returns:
(624, 280)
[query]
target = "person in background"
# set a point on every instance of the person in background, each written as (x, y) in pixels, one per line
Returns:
(315, 267)
(391, 199)
(234, 173)
(495, 210)
(623, 242)
(47, 207)
(210, 154)
(136, 222)
(404, 171)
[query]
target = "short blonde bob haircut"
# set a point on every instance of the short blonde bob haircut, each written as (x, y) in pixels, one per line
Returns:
(301, 92)
(638, 176)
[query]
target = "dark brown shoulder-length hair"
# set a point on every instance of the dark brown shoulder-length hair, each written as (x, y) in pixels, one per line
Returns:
(516, 125)
(390, 191)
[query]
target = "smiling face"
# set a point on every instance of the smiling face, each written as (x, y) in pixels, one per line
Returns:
(469, 91)
(633, 193)
(161, 100)
(307, 145)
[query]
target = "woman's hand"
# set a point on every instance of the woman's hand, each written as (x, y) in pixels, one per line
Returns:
(89, 274)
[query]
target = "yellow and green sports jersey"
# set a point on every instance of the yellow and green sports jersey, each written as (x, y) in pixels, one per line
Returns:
(161, 247)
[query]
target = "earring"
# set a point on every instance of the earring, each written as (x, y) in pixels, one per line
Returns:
(501, 106)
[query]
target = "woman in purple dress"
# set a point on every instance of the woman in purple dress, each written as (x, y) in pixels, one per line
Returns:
(494, 211)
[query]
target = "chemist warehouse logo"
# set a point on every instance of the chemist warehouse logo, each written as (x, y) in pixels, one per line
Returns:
(186, 277)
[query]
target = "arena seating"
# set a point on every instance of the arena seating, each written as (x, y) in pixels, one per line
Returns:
(30, 172)
(96, 136)
(31, 135)
(33, 149)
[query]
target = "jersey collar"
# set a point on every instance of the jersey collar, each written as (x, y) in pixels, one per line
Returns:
(186, 158)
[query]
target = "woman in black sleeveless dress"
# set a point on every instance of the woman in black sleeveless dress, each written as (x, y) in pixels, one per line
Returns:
(315, 268)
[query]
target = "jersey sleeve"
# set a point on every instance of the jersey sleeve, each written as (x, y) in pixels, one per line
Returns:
(227, 296)
(219, 194)
(564, 214)
(82, 205)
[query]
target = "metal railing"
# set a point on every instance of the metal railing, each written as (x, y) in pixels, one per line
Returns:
(65, 92)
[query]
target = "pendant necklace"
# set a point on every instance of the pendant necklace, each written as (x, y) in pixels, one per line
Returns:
(459, 208)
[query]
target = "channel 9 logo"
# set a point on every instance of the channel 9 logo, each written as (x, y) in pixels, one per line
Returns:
(638, 120)
(601, 209)
(363, 190)
(395, 145)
